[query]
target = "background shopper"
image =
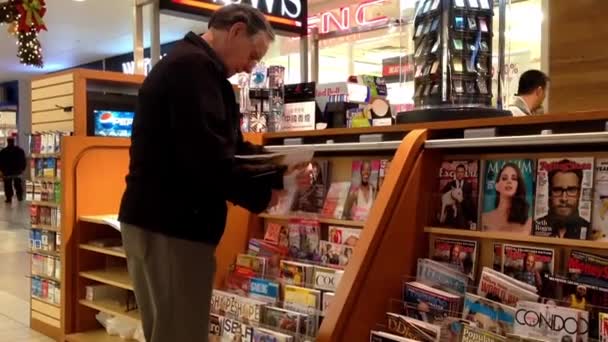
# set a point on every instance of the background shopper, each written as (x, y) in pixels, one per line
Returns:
(12, 165)
(187, 128)
(531, 94)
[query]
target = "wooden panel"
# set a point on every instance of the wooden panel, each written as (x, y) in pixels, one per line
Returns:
(46, 329)
(46, 319)
(53, 103)
(93, 336)
(52, 79)
(384, 239)
(53, 91)
(62, 126)
(46, 309)
(52, 115)
(578, 55)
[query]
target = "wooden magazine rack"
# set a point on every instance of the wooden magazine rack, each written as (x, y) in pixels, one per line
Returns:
(392, 240)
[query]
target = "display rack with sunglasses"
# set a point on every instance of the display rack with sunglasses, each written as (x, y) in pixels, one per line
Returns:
(453, 53)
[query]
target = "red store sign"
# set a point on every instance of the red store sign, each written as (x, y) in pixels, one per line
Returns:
(364, 14)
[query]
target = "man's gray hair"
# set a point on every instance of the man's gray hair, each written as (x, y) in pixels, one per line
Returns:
(225, 17)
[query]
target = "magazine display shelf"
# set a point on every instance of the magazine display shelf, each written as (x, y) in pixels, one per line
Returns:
(60, 104)
(400, 228)
(392, 239)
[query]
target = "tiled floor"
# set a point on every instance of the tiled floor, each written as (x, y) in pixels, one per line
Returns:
(14, 269)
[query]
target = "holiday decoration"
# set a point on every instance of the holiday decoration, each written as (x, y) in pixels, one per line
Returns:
(30, 15)
(24, 19)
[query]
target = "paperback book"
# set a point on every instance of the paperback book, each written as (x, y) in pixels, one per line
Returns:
(287, 321)
(564, 198)
(267, 335)
(235, 331)
(306, 301)
(528, 264)
(492, 316)
(429, 304)
(438, 275)
(412, 328)
(599, 222)
(336, 200)
(588, 268)
(508, 196)
(550, 322)
(497, 287)
(277, 234)
(471, 333)
(215, 327)
(271, 252)
(381, 336)
(232, 306)
(343, 236)
(309, 197)
(458, 189)
(326, 279)
(458, 254)
(363, 191)
(250, 265)
(296, 273)
(327, 298)
(335, 254)
(304, 237)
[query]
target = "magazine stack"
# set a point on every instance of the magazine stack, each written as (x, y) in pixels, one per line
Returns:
(518, 279)
(280, 289)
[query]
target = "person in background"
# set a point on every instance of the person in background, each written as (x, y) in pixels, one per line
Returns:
(530, 94)
(170, 232)
(12, 165)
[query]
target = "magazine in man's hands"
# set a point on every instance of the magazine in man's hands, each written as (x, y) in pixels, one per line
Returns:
(291, 157)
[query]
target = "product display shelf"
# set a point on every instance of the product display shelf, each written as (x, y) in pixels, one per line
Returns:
(515, 237)
(323, 220)
(93, 184)
(392, 239)
(45, 204)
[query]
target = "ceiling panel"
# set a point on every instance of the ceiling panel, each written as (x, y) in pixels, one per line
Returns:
(82, 32)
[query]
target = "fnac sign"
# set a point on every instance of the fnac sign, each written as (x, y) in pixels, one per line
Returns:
(368, 13)
(283, 15)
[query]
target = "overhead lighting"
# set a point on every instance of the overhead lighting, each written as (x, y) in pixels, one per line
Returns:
(79, 0)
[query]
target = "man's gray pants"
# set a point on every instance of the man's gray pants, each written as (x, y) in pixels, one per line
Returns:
(173, 280)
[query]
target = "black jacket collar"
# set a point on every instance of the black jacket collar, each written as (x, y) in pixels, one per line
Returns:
(198, 41)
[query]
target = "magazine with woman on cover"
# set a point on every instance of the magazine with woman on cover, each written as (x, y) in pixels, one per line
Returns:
(508, 196)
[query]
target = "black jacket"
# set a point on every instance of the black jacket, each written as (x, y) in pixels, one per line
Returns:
(185, 134)
(12, 161)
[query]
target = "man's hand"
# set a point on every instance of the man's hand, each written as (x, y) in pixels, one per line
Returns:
(275, 197)
(299, 176)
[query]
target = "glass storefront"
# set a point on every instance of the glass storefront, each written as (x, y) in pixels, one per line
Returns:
(375, 38)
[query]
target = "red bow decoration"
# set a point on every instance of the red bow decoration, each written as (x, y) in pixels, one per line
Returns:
(31, 13)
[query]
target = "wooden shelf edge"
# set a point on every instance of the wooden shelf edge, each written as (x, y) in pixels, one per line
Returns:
(117, 277)
(93, 336)
(46, 227)
(336, 222)
(45, 204)
(45, 155)
(45, 329)
(112, 309)
(517, 238)
(103, 250)
(99, 219)
(45, 253)
(46, 277)
(46, 301)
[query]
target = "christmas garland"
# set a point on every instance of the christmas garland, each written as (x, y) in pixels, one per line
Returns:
(24, 19)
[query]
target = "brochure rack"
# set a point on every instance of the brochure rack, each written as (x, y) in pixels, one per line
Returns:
(60, 103)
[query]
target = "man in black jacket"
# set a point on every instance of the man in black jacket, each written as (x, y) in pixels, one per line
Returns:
(182, 171)
(12, 165)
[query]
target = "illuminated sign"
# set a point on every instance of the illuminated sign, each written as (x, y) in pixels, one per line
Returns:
(284, 15)
(129, 67)
(359, 15)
